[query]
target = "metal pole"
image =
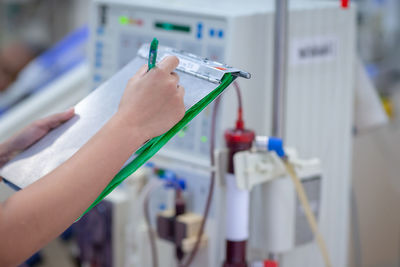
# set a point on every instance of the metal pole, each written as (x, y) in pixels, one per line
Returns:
(280, 68)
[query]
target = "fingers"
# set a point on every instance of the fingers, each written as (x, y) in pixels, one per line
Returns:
(67, 115)
(57, 119)
(169, 64)
(64, 116)
(175, 77)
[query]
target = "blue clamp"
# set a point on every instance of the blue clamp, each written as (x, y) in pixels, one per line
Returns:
(276, 144)
(172, 181)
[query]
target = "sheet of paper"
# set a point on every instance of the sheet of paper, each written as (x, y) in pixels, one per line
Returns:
(92, 113)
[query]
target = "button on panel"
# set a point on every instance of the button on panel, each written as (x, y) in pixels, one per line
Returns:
(212, 32)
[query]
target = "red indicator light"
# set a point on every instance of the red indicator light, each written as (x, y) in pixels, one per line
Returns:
(345, 3)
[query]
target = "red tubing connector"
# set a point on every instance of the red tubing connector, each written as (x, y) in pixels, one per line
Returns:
(239, 121)
(237, 140)
(270, 263)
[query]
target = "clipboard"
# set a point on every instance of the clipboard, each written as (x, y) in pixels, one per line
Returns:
(204, 80)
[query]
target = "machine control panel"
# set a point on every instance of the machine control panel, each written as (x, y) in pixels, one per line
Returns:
(118, 33)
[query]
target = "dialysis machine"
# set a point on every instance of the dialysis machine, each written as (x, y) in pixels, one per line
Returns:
(318, 114)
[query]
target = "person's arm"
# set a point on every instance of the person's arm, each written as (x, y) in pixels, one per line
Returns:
(31, 134)
(152, 104)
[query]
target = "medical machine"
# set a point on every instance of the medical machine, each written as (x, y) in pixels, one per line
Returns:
(318, 113)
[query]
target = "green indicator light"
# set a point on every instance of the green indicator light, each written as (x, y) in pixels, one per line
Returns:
(204, 139)
(166, 26)
(123, 20)
(181, 134)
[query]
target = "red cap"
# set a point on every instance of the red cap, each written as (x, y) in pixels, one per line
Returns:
(239, 136)
(270, 263)
(345, 3)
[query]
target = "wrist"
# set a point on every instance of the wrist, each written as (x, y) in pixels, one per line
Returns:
(133, 131)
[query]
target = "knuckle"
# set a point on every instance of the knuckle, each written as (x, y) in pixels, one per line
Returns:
(178, 97)
(157, 70)
(160, 73)
(171, 84)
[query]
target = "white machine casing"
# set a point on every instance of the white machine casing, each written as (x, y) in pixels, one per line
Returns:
(319, 94)
(286, 227)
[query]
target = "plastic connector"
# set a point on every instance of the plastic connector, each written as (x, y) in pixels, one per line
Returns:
(171, 179)
(276, 144)
(271, 144)
(181, 230)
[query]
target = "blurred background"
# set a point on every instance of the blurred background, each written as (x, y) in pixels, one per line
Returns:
(49, 61)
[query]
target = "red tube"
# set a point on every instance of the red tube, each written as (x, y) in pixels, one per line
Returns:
(237, 140)
(235, 254)
(180, 208)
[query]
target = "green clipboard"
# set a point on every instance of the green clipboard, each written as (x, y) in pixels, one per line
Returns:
(155, 144)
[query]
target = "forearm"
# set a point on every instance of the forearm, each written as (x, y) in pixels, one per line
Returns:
(39, 213)
(5, 154)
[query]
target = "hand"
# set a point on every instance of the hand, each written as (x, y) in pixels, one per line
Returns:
(31, 135)
(153, 101)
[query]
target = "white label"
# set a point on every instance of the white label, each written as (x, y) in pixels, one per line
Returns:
(313, 50)
(184, 64)
(188, 65)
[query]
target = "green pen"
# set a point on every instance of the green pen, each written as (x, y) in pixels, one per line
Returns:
(153, 54)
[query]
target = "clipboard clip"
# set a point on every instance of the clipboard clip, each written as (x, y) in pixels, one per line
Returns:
(200, 67)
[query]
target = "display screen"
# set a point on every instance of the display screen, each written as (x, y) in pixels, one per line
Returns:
(172, 27)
